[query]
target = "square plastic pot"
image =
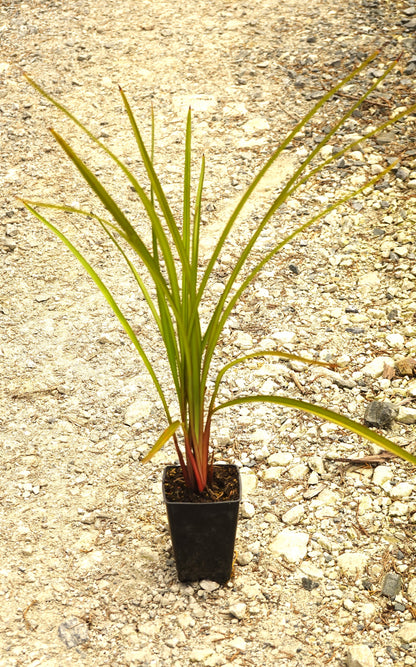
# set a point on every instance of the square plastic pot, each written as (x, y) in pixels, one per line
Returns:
(203, 536)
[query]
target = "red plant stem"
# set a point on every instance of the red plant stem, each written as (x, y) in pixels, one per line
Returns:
(193, 471)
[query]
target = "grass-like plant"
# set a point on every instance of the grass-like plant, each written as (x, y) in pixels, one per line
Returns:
(171, 263)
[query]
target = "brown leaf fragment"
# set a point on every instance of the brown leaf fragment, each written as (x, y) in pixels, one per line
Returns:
(297, 383)
(374, 459)
(406, 366)
(29, 626)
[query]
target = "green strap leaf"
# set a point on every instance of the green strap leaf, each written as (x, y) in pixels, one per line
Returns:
(158, 190)
(258, 355)
(186, 232)
(110, 300)
(328, 415)
(106, 225)
(197, 224)
(111, 206)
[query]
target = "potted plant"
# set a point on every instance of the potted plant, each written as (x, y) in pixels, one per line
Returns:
(171, 264)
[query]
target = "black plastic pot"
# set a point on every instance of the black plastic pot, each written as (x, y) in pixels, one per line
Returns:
(203, 536)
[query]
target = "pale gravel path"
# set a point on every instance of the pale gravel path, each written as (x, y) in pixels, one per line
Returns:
(83, 528)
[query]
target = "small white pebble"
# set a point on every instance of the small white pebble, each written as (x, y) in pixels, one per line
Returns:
(348, 604)
(238, 643)
(247, 509)
(402, 490)
(244, 558)
(208, 585)
(238, 610)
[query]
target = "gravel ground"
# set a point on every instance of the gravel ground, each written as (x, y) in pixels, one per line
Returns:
(325, 571)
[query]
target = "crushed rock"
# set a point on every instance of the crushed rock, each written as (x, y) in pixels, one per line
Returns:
(87, 574)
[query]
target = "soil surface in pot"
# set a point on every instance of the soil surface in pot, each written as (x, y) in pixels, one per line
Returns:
(224, 486)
